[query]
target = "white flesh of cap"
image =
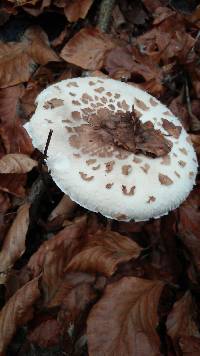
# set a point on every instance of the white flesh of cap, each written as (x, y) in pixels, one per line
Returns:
(124, 188)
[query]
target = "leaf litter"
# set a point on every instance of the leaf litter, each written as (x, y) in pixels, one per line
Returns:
(73, 281)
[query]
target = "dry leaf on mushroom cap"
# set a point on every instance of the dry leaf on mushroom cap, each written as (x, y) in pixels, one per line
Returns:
(115, 149)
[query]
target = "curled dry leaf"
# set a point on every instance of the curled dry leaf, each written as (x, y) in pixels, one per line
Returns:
(14, 242)
(87, 48)
(17, 311)
(16, 163)
(77, 9)
(124, 321)
(65, 207)
(102, 253)
(18, 59)
(9, 102)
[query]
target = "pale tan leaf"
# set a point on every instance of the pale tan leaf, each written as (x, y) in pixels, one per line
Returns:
(77, 9)
(124, 321)
(18, 59)
(87, 48)
(65, 207)
(102, 253)
(14, 242)
(17, 311)
(16, 163)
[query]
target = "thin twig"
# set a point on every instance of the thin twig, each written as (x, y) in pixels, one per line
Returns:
(195, 123)
(105, 14)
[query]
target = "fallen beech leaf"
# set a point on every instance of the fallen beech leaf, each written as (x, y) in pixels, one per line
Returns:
(38, 9)
(23, 2)
(196, 142)
(16, 163)
(13, 184)
(65, 207)
(46, 334)
(17, 311)
(14, 242)
(15, 138)
(9, 102)
(77, 9)
(53, 255)
(189, 217)
(124, 321)
(87, 48)
(70, 281)
(18, 59)
(4, 202)
(190, 345)
(102, 253)
(180, 322)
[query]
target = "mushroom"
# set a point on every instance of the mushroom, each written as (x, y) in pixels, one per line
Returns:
(115, 149)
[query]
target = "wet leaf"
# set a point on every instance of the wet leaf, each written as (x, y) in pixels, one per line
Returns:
(133, 304)
(102, 253)
(87, 48)
(17, 311)
(64, 208)
(16, 163)
(14, 242)
(18, 59)
(77, 9)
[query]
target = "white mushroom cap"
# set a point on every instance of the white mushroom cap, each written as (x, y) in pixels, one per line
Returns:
(117, 183)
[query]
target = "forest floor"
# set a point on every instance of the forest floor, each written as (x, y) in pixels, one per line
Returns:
(72, 282)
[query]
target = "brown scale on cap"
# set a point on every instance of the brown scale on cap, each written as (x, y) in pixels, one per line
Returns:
(177, 174)
(153, 102)
(53, 103)
(172, 129)
(76, 102)
(72, 94)
(109, 185)
(121, 217)
(99, 90)
(72, 84)
(129, 192)
(96, 167)
(141, 105)
(166, 160)
(76, 115)
(85, 176)
(126, 169)
(168, 113)
(109, 166)
(191, 174)
(91, 161)
(164, 179)
(151, 199)
(145, 168)
(91, 83)
(184, 151)
(117, 96)
(182, 163)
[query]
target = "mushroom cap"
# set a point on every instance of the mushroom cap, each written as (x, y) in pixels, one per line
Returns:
(120, 185)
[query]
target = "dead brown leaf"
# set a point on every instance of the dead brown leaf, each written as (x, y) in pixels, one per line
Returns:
(64, 208)
(87, 48)
(13, 184)
(189, 225)
(9, 102)
(17, 311)
(77, 9)
(132, 303)
(46, 334)
(54, 254)
(18, 59)
(102, 253)
(14, 242)
(16, 163)
(180, 321)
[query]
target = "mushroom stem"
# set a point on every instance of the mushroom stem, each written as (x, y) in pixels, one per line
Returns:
(105, 13)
